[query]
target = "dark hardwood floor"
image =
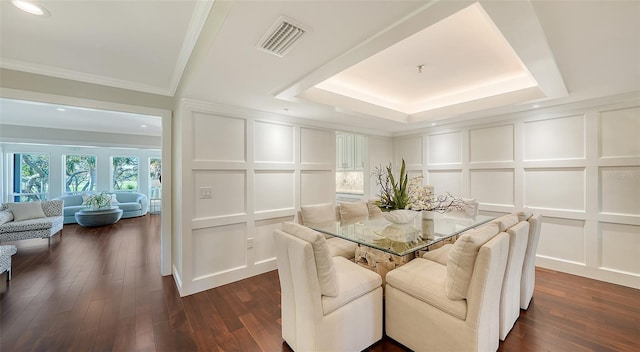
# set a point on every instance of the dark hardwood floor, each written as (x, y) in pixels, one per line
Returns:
(99, 289)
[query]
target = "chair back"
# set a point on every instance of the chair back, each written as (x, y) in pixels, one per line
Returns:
(299, 287)
(510, 296)
(483, 297)
(528, 279)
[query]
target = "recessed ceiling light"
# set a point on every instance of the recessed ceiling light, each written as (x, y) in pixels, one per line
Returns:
(143, 126)
(536, 106)
(61, 109)
(433, 124)
(31, 8)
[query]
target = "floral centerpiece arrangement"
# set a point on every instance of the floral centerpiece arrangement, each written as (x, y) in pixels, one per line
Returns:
(98, 201)
(410, 194)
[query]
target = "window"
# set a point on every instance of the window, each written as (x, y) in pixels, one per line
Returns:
(80, 173)
(124, 175)
(155, 181)
(30, 177)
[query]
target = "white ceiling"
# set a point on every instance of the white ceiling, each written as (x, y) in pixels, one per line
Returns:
(575, 51)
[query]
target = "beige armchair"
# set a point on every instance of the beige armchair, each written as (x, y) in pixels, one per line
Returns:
(328, 303)
(433, 307)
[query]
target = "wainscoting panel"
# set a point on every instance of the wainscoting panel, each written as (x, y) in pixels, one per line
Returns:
(577, 165)
(614, 191)
(263, 247)
(218, 138)
(444, 149)
(218, 249)
(491, 144)
(227, 193)
(317, 146)
(494, 186)
(409, 149)
(274, 190)
(317, 187)
(560, 189)
(619, 131)
(562, 240)
(445, 181)
(555, 139)
(620, 248)
(273, 143)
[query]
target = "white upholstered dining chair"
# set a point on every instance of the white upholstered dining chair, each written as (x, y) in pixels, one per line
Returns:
(433, 307)
(320, 213)
(328, 303)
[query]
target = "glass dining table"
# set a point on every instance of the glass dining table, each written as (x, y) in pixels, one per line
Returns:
(383, 245)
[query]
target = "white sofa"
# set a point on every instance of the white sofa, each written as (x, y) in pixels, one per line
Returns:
(22, 221)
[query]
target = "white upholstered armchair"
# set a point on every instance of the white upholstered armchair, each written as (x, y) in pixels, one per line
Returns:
(433, 307)
(328, 303)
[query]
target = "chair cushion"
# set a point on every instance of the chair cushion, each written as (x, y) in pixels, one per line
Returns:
(462, 258)
(505, 222)
(349, 210)
(30, 225)
(318, 213)
(425, 280)
(5, 216)
(374, 210)
(324, 263)
(26, 211)
(354, 281)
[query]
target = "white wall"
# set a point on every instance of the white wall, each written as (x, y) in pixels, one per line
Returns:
(56, 164)
(259, 172)
(580, 168)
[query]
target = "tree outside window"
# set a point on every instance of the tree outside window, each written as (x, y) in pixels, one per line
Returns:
(80, 173)
(125, 173)
(31, 177)
(155, 181)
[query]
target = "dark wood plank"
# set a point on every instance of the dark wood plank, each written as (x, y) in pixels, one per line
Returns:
(99, 289)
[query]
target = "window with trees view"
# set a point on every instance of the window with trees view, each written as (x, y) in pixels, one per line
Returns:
(124, 173)
(30, 177)
(80, 173)
(155, 181)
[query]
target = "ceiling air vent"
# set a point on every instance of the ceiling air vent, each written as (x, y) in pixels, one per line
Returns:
(281, 37)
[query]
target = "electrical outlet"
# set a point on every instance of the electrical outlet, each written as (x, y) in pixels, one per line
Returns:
(205, 192)
(250, 242)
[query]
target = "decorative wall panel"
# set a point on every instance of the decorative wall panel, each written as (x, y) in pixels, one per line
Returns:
(446, 181)
(495, 186)
(317, 187)
(492, 144)
(619, 133)
(555, 188)
(620, 247)
(620, 190)
(555, 139)
(274, 190)
(264, 248)
(409, 149)
(562, 239)
(218, 138)
(444, 148)
(273, 143)
(218, 249)
(227, 193)
(317, 146)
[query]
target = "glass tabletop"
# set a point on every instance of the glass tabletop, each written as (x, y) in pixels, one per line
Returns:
(399, 239)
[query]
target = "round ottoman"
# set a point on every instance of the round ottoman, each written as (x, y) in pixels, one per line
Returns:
(99, 217)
